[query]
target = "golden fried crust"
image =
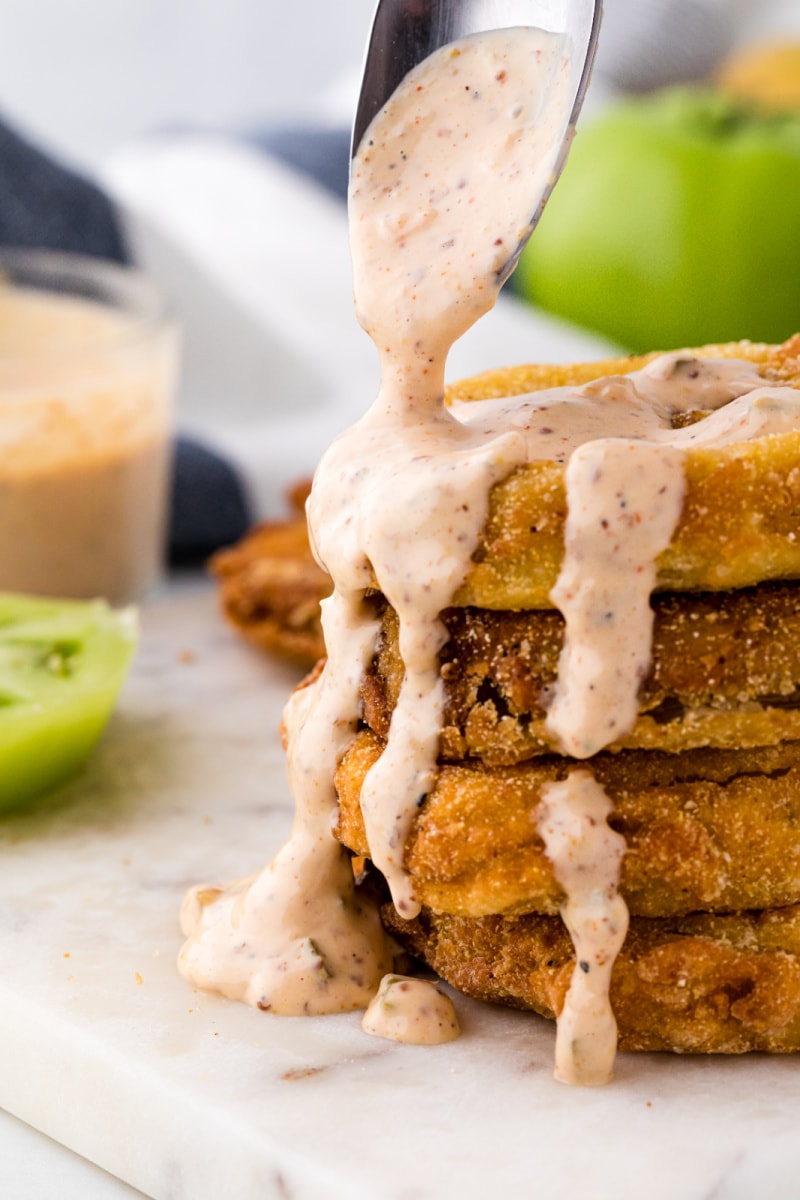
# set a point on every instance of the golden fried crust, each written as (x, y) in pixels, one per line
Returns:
(739, 523)
(696, 985)
(779, 363)
(708, 829)
(271, 586)
(726, 672)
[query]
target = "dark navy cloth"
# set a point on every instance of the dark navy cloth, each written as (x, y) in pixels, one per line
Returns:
(44, 204)
(321, 154)
(209, 507)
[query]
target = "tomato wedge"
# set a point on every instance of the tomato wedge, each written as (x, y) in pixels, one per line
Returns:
(62, 665)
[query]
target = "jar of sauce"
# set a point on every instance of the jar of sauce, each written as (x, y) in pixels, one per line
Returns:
(87, 375)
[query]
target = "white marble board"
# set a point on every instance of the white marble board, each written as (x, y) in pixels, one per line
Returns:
(188, 1097)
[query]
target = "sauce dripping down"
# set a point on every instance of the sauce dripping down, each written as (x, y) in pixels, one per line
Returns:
(441, 190)
(403, 495)
(586, 857)
(623, 503)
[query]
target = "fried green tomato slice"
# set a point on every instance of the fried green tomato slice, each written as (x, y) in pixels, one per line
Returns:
(709, 829)
(740, 522)
(699, 984)
(725, 672)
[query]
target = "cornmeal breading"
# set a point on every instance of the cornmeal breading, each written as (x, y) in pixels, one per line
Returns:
(725, 672)
(779, 363)
(696, 985)
(739, 524)
(708, 829)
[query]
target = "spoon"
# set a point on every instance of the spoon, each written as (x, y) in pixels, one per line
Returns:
(404, 32)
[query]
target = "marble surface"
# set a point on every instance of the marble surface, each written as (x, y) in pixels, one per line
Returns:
(33, 1166)
(104, 1048)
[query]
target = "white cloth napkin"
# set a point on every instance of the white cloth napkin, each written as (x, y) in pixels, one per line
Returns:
(256, 263)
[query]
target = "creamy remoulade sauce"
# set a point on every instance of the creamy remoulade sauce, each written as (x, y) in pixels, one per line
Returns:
(405, 1009)
(85, 393)
(586, 856)
(441, 189)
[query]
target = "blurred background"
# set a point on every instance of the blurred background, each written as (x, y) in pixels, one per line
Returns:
(83, 77)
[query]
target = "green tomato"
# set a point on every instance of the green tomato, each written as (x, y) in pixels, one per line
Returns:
(62, 664)
(676, 223)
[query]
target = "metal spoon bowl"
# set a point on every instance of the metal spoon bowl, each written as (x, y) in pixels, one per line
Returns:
(404, 32)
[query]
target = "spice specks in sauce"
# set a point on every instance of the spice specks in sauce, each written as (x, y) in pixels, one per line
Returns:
(586, 855)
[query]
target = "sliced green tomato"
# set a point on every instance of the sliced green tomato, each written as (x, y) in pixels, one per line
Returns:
(62, 664)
